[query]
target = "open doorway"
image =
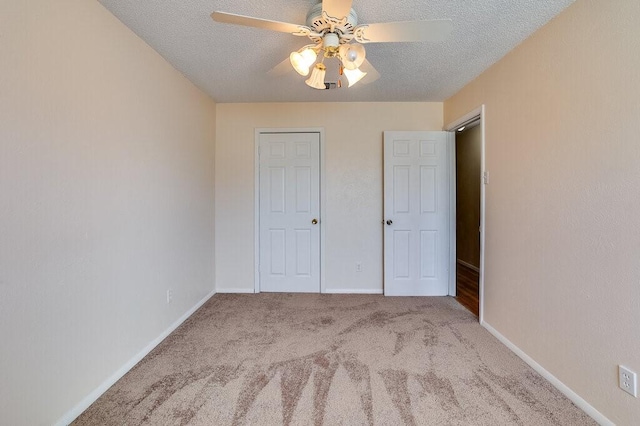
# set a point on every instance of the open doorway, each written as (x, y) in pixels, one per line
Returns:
(468, 144)
(467, 211)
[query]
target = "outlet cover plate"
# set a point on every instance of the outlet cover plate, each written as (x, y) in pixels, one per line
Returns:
(628, 380)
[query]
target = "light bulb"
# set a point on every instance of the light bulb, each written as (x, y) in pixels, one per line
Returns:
(352, 55)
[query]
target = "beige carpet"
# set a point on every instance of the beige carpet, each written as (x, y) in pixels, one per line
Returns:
(283, 359)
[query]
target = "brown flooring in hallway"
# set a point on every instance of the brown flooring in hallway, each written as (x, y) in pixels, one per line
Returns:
(468, 289)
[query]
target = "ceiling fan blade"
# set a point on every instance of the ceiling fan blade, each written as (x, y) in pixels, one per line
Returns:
(408, 31)
(248, 21)
(372, 73)
(281, 69)
(337, 8)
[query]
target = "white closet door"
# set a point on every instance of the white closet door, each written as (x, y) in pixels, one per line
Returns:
(416, 214)
(289, 212)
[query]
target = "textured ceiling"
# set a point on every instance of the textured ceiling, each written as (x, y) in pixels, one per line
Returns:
(231, 63)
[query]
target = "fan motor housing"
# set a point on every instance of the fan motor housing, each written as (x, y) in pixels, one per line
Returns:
(316, 20)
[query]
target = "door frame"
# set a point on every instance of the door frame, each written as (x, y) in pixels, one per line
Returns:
(452, 127)
(256, 200)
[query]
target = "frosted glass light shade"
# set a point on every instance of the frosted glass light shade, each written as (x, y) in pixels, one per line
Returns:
(352, 55)
(317, 77)
(354, 75)
(301, 61)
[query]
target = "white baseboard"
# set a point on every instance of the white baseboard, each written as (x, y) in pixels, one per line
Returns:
(235, 290)
(353, 291)
(574, 397)
(468, 265)
(72, 414)
(330, 291)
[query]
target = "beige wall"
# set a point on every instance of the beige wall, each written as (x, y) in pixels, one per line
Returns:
(562, 223)
(468, 165)
(106, 183)
(353, 172)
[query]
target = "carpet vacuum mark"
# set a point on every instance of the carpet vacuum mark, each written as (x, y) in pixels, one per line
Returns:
(299, 359)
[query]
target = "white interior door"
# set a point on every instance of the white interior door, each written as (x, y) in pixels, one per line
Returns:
(289, 212)
(416, 214)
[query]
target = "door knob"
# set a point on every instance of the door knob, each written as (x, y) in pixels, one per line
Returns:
(314, 221)
(389, 222)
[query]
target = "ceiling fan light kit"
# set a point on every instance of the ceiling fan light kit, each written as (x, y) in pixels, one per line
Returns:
(332, 26)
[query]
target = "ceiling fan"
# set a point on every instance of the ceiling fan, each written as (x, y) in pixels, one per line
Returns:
(333, 28)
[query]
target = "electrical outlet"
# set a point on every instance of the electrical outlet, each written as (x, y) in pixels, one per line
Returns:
(169, 296)
(628, 380)
(358, 267)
